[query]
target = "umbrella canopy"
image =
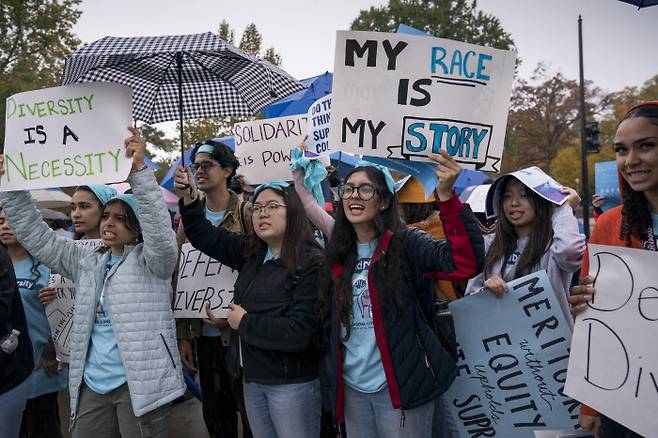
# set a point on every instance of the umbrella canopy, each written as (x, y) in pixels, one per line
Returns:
(301, 101)
(213, 77)
(50, 198)
(641, 3)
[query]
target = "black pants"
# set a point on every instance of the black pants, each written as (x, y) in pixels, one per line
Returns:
(221, 397)
(612, 429)
(41, 418)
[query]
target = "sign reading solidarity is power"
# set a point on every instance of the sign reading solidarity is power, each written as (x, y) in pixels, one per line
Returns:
(66, 136)
(406, 96)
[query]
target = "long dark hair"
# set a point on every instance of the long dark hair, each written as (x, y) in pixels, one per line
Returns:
(635, 213)
(341, 249)
(297, 236)
(504, 242)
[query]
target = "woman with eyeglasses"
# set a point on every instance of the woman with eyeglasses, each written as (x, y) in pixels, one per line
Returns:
(273, 316)
(386, 365)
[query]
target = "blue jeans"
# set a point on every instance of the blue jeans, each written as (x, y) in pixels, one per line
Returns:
(12, 404)
(283, 411)
(443, 423)
(373, 416)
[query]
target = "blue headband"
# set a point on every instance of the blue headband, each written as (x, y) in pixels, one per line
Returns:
(276, 185)
(102, 192)
(206, 148)
(130, 201)
(390, 183)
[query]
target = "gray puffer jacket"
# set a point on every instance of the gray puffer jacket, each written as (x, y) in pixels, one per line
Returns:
(137, 289)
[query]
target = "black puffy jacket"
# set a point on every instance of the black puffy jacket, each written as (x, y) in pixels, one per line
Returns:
(17, 366)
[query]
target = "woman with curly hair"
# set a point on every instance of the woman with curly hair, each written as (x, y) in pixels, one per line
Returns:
(633, 224)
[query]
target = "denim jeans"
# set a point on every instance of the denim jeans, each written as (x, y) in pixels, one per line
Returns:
(443, 423)
(12, 404)
(284, 411)
(373, 416)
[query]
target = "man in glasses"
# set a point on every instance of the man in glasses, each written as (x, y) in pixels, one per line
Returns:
(214, 166)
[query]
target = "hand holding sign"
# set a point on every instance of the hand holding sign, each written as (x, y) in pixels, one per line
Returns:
(135, 148)
(581, 295)
(496, 285)
(46, 295)
(212, 320)
(447, 172)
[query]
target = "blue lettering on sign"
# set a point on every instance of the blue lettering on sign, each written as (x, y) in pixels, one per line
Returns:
(469, 65)
(462, 142)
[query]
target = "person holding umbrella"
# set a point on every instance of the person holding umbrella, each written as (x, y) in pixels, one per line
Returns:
(124, 365)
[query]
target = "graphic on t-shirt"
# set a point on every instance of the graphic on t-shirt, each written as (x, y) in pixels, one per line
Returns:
(362, 307)
(364, 299)
(511, 261)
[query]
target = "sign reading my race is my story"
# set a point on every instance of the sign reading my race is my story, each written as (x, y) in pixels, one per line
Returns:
(406, 96)
(202, 280)
(264, 147)
(67, 136)
(512, 362)
(614, 359)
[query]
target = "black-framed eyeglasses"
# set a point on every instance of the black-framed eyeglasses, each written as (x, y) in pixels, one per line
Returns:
(270, 208)
(203, 165)
(364, 192)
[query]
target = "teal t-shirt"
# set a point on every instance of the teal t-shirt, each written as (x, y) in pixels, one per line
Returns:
(215, 218)
(362, 368)
(29, 283)
(104, 370)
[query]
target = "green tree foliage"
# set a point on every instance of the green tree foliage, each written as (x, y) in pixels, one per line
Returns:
(251, 40)
(226, 33)
(36, 37)
(272, 57)
(453, 19)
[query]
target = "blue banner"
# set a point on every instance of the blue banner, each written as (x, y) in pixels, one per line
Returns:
(512, 361)
(606, 182)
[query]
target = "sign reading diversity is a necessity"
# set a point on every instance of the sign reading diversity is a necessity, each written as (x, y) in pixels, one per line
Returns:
(406, 96)
(66, 136)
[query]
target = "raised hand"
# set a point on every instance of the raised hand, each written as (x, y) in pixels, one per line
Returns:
(447, 172)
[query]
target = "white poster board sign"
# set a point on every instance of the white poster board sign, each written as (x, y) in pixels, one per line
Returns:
(264, 147)
(319, 117)
(406, 96)
(202, 280)
(60, 310)
(67, 136)
(614, 359)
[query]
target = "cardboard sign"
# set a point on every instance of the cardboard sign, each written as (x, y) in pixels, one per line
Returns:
(264, 147)
(60, 310)
(614, 359)
(67, 136)
(408, 96)
(202, 280)
(512, 362)
(319, 117)
(606, 179)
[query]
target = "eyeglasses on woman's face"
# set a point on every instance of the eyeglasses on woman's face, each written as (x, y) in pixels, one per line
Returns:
(269, 208)
(364, 192)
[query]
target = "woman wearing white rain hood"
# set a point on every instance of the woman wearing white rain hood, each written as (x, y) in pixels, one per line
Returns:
(125, 367)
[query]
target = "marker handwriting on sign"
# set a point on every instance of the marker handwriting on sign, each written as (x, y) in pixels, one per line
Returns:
(468, 66)
(48, 108)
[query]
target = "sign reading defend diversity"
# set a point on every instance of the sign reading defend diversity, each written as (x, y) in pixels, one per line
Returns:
(407, 96)
(614, 359)
(67, 136)
(512, 362)
(264, 147)
(201, 281)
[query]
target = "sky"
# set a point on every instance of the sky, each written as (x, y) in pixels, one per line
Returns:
(620, 42)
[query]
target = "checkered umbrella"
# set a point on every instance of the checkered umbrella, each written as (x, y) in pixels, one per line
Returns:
(181, 76)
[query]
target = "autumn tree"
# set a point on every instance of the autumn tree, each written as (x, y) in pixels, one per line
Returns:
(36, 37)
(454, 19)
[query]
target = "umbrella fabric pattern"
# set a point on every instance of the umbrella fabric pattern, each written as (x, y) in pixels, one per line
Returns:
(213, 77)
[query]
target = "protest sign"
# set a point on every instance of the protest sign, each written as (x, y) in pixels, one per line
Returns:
(512, 362)
(614, 359)
(535, 179)
(319, 116)
(407, 96)
(606, 178)
(67, 136)
(202, 280)
(60, 310)
(264, 147)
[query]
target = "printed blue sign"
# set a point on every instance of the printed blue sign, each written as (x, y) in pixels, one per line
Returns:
(512, 362)
(607, 183)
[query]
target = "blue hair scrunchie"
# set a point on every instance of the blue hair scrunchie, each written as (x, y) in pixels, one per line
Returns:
(390, 183)
(314, 173)
(276, 185)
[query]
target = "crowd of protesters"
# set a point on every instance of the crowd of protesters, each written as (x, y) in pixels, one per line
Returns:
(334, 326)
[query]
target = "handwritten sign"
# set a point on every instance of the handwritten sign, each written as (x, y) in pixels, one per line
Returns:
(60, 310)
(202, 280)
(264, 147)
(408, 96)
(606, 178)
(512, 362)
(319, 117)
(614, 359)
(66, 136)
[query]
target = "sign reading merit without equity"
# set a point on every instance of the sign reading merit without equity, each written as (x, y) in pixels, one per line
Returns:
(201, 281)
(67, 136)
(406, 96)
(512, 362)
(264, 147)
(614, 358)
